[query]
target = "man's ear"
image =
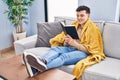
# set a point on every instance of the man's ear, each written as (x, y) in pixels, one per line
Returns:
(88, 15)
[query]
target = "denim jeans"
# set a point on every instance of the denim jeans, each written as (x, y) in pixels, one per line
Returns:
(59, 56)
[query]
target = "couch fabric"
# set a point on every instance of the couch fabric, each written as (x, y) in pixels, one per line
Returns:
(111, 39)
(107, 69)
(46, 31)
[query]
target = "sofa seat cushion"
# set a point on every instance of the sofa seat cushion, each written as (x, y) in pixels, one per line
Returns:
(67, 68)
(105, 70)
(38, 51)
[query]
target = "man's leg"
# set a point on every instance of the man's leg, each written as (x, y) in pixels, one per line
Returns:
(35, 63)
(67, 59)
(56, 52)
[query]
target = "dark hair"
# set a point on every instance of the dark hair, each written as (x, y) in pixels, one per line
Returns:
(81, 8)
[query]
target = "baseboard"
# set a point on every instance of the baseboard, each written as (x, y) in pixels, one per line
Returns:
(6, 50)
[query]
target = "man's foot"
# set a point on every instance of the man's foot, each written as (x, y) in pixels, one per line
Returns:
(35, 62)
(30, 70)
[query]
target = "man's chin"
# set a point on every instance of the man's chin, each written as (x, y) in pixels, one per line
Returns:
(80, 23)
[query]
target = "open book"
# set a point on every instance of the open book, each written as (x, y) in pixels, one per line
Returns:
(70, 30)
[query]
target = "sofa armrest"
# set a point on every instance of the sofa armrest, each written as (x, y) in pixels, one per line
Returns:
(23, 44)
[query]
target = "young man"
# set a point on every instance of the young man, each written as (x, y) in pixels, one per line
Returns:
(67, 51)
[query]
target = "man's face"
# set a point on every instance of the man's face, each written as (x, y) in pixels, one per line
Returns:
(82, 17)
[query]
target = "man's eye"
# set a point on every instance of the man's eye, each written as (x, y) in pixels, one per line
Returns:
(77, 15)
(80, 15)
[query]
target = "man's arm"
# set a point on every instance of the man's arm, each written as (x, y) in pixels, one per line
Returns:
(81, 47)
(75, 43)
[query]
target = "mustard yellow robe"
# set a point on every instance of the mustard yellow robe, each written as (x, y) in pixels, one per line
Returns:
(91, 39)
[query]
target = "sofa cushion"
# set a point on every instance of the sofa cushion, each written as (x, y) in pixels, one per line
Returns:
(107, 69)
(111, 39)
(100, 25)
(46, 31)
(38, 51)
(67, 68)
(67, 20)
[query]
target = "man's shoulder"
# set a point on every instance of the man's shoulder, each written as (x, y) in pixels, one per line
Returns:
(92, 23)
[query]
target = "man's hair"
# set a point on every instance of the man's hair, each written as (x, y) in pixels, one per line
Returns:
(81, 8)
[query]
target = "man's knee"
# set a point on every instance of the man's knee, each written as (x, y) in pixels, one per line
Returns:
(56, 48)
(63, 57)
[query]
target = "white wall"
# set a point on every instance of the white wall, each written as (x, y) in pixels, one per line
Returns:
(61, 8)
(107, 10)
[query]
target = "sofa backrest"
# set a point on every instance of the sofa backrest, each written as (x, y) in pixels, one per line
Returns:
(111, 39)
(100, 25)
(68, 20)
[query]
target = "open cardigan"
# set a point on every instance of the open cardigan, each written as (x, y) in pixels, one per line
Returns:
(91, 39)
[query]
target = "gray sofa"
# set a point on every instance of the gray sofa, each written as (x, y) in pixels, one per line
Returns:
(108, 69)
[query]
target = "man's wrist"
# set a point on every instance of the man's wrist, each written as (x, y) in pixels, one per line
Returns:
(78, 46)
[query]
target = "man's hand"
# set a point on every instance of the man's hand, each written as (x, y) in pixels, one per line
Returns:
(70, 41)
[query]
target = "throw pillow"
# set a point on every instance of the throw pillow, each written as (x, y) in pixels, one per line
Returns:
(46, 31)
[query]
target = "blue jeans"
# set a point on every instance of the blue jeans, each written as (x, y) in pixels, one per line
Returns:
(59, 56)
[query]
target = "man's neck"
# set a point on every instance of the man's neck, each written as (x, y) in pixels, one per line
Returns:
(80, 26)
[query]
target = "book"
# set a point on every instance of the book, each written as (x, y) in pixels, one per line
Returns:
(70, 30)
